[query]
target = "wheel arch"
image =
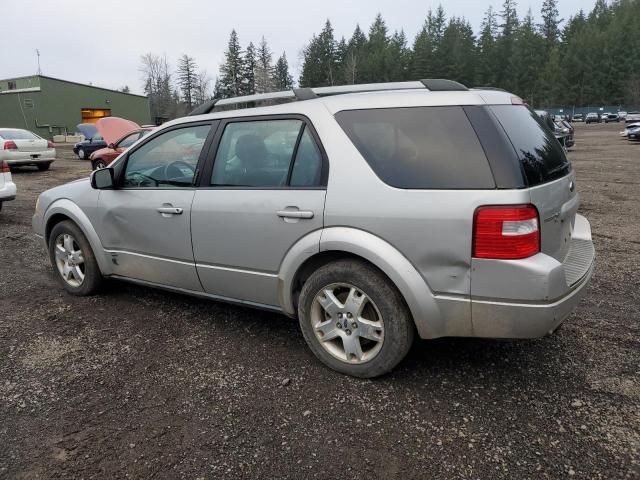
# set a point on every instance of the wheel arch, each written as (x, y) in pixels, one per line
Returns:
(337, 243)
(65, 209)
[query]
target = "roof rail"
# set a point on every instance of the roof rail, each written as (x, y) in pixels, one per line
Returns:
(436, 85)
(493, 89)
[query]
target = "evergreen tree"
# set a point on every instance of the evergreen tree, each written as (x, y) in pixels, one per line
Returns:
(486, 48)
(187, 78)
(249, 66)
(398, 57)
(422, 58)
(436, 25)
(375, 66)
(264, 72)
(282, 79)
(320, 64)
(354, 57)
(528, 56)
(231, 72)
(550, 26)
(505, 45)
(458, 47)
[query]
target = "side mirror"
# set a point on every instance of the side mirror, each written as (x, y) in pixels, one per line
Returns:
(102, 179)
(112, 146)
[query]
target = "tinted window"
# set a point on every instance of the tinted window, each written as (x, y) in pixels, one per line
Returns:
(168, 160)
(420, 147)
(541, 155)
(307, 167)
(256, 154)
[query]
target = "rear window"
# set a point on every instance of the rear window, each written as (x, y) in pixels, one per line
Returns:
(18, 135)
(541, 155)
(419, 147)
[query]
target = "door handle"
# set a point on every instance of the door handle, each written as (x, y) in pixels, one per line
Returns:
(295, 213)
(170, 210)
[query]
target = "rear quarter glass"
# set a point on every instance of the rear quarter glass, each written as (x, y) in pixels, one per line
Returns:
(419, 147)
(541, 155)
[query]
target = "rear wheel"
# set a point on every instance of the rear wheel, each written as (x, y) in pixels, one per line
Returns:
(354, 319)
(73, 260)
(43, 166)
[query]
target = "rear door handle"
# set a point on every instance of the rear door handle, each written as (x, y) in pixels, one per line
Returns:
(170, 210)
(295, 213)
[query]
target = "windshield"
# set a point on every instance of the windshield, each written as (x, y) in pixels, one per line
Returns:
(541, 156)
(18, 135)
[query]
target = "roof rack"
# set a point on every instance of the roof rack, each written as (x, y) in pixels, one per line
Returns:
(301, 94)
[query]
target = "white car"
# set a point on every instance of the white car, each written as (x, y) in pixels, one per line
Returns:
(21, 147)
(7, 187)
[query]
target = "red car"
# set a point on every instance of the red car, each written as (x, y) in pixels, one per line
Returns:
(119, 134)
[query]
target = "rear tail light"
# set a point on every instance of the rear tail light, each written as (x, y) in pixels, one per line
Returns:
(506, 232)
(4, 167)
(50, 145)
(10, 145)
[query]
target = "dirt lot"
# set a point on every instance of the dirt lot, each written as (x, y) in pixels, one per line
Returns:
(140, 383)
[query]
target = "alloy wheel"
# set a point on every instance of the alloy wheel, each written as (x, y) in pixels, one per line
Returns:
(347, 323)
(69, 260)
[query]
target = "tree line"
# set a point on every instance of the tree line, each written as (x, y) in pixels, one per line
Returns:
(591, 58)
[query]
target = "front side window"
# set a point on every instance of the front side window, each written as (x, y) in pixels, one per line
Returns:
(263, 154)
(168, 160)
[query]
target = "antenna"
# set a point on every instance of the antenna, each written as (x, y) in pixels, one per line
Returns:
(38, 54)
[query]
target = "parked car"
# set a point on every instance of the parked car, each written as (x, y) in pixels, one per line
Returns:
(632, 117)
(578, 117)
(93, 141)
(23, 148)
(628, 127)
(119, 134)
(622, 115)
(565, 131)
(7, 187)
(368, 221)
(592, 118)
(634, 134)
(611, 117)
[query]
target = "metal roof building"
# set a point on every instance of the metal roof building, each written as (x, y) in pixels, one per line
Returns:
(50, 106)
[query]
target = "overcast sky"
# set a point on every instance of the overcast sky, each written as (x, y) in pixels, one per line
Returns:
(101, 42)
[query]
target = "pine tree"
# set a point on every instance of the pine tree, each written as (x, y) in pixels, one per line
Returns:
(320, 66)
(282, 79)
(354, 57)
(458, 47)
(398, 57)
(550, 26)
(264, 71)
(486, 48)
(249, 65)
(422, 58)
(505, 44)
(527, 57)
(375, 66)
(187, 78)
(231, 72)
(436, 25)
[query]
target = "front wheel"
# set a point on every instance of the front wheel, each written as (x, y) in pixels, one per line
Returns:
(73, 260)
(98, 164)
(354, 319)
(81, 154)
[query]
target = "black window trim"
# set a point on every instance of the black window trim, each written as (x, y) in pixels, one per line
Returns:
(121, 167)
(204, 180)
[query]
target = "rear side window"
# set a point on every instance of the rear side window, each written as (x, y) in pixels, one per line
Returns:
(541, 155)
(419, 147)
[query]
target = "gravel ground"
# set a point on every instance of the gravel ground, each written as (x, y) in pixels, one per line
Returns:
(141, 383)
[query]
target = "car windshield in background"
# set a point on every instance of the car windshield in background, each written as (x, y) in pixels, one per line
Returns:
(542, 157)
(18, 135)
(419, 147)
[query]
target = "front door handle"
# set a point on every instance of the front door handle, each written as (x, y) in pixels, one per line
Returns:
(295, 213)
(170, 210)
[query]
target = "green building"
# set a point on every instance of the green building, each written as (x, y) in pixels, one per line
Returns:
(49, 106)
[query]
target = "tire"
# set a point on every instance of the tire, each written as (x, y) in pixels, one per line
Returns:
(82, 154)
(0, 206)
(98, 164)
(392, 336)
(91, 277)
(43, 166)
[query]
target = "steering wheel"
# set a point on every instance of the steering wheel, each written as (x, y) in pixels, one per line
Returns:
(174, 165)
(141, 179)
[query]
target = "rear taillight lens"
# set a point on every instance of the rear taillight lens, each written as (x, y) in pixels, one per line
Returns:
(50, 145)
(4, 167)
(10, 145)
(506, 232)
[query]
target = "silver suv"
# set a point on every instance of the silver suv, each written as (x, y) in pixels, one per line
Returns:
(372, 213)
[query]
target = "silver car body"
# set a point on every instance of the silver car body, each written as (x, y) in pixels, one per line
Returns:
(231, 244)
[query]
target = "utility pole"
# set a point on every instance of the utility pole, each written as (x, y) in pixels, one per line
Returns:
(38, 54)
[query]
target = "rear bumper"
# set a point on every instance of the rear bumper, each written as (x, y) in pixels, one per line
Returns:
(18, 159)
(552, 290)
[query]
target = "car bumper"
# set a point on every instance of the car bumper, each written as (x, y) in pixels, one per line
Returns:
(7, 191)
(557, 286)
(18, 159)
